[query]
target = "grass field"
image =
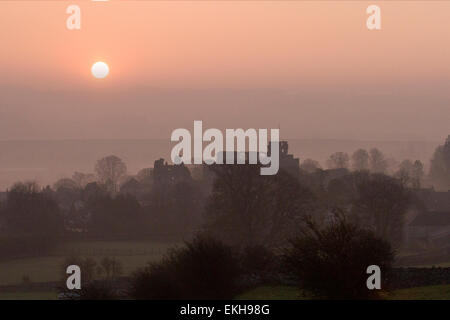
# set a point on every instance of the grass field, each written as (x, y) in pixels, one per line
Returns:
(45, 295)
(276, 293)
(422, 293)
(292, 293)
(132, 255)
(136, 254)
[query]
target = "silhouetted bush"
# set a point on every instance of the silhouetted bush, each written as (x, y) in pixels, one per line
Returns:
(331, 262)
(204, 268)
(157, 281)
(259, 263)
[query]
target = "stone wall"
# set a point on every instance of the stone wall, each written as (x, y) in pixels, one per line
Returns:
(418, 277)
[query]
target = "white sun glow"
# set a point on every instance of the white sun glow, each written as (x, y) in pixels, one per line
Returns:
(100, 70)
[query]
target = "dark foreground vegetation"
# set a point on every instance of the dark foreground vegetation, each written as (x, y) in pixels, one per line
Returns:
(323, 264)
(331, 262)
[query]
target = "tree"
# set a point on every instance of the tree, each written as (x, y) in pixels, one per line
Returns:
(88, 266)
(417, 174)
(67, 197)
(111, 267)
(175, 201)
(360, 160)
(65, 183)
(309, 165)
(341, 191)
(440, 166)
(120, 216)
(377, 161)
(28, 211)
(245, 208)
(109, 170)
(404, 172)
(144, 175)
(338, 160)
(381, 204)
(82, 179)
(203, 268)
(331, 262)
(410, 173)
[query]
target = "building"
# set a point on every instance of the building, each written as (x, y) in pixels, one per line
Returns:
(287, 161)
(434, 200)
(430, 229)
(429, 224)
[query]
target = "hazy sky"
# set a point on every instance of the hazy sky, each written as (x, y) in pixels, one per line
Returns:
(311, 67)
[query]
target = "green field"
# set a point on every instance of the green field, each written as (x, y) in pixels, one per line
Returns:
(136, 254)
(132, 255)
(292, 293)
(277, 293)
(45, 295)
(274, 293)
(422, 293)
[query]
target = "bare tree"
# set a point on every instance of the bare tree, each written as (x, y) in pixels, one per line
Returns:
(109, 170)
(245, 208)
(82, 179)
(360, 160)
(381, 203)
(404, 172)
(440, 166)
(410, 173)
(65, 183)
(417, 174)
(338, 160)
(377, 160)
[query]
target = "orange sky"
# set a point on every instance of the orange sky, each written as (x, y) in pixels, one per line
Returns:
(319, 54)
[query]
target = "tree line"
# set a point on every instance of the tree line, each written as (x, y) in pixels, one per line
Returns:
(232, 202)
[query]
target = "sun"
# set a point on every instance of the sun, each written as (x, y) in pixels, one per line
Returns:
(100, 70)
